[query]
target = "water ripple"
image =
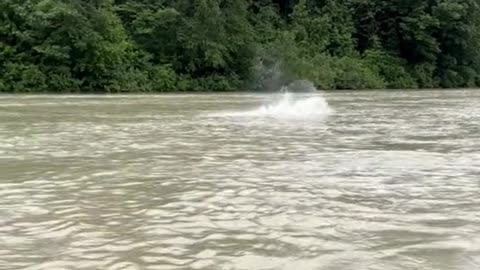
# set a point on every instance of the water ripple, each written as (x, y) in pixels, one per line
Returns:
(389, 181)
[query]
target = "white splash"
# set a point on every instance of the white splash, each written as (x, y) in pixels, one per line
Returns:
(290, 106)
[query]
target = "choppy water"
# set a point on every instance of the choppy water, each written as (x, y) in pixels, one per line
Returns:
(378, 180)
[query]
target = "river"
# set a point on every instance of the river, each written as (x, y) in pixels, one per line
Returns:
(377, 180)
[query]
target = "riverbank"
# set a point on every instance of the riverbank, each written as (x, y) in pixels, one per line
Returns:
(239, 92)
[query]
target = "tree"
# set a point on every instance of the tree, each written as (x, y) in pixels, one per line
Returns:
(163, 45)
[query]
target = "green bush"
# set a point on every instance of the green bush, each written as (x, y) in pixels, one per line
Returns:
(163, 78)
(424, 75)
(216, 83)
(352, 73)
(391, 68)
(60, 80)
(23, 78)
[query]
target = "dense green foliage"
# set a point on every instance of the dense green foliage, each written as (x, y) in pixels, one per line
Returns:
(222, 45)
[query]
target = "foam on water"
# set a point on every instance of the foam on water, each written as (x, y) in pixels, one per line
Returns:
(290, 106)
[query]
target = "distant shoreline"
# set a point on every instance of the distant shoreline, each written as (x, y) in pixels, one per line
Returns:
(140, 93)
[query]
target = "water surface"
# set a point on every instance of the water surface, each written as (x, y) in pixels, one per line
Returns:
(377, 180)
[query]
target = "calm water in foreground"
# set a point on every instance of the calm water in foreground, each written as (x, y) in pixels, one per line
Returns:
(386, 180)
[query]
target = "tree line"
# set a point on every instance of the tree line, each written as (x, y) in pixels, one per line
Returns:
(227, 45)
